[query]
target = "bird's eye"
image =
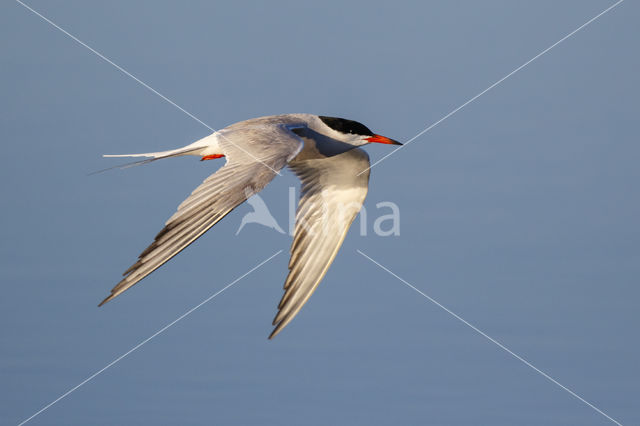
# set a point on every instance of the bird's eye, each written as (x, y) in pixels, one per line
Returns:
(347, 127)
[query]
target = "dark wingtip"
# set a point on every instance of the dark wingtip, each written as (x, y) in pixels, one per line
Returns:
(106, 299)
(275, 331)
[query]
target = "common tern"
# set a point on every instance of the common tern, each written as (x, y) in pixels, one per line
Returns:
(334, 173)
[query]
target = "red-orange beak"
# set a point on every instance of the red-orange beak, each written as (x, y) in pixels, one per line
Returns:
(382, 139)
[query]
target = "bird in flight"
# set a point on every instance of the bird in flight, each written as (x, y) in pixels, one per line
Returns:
(334, 173)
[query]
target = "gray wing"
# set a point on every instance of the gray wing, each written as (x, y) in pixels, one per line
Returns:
(254, 156)
(332, 194)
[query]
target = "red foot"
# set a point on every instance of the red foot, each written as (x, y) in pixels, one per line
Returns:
(211, 157)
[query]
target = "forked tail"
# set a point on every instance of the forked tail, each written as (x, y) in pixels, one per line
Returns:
(151, 156)
(161, 154)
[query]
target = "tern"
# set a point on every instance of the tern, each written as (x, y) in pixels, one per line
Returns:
(334, 173)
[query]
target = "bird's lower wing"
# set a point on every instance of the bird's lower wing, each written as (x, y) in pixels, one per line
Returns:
(332, 194)
(249, 169)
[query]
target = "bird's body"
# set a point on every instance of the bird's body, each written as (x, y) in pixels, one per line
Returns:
(321, 151)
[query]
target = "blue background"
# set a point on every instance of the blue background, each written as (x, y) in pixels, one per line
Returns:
(519, 213)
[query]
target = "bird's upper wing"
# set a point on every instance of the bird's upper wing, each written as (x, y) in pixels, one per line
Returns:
(254, 156)
(332, 194)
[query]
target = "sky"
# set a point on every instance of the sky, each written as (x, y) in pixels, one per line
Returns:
(518, 213)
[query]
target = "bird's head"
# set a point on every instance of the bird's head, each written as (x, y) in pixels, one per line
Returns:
(354, 133)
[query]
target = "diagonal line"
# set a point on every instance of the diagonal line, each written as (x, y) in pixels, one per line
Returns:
(142, 343)
(128, 74)
(493, 85)
(491, 339)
